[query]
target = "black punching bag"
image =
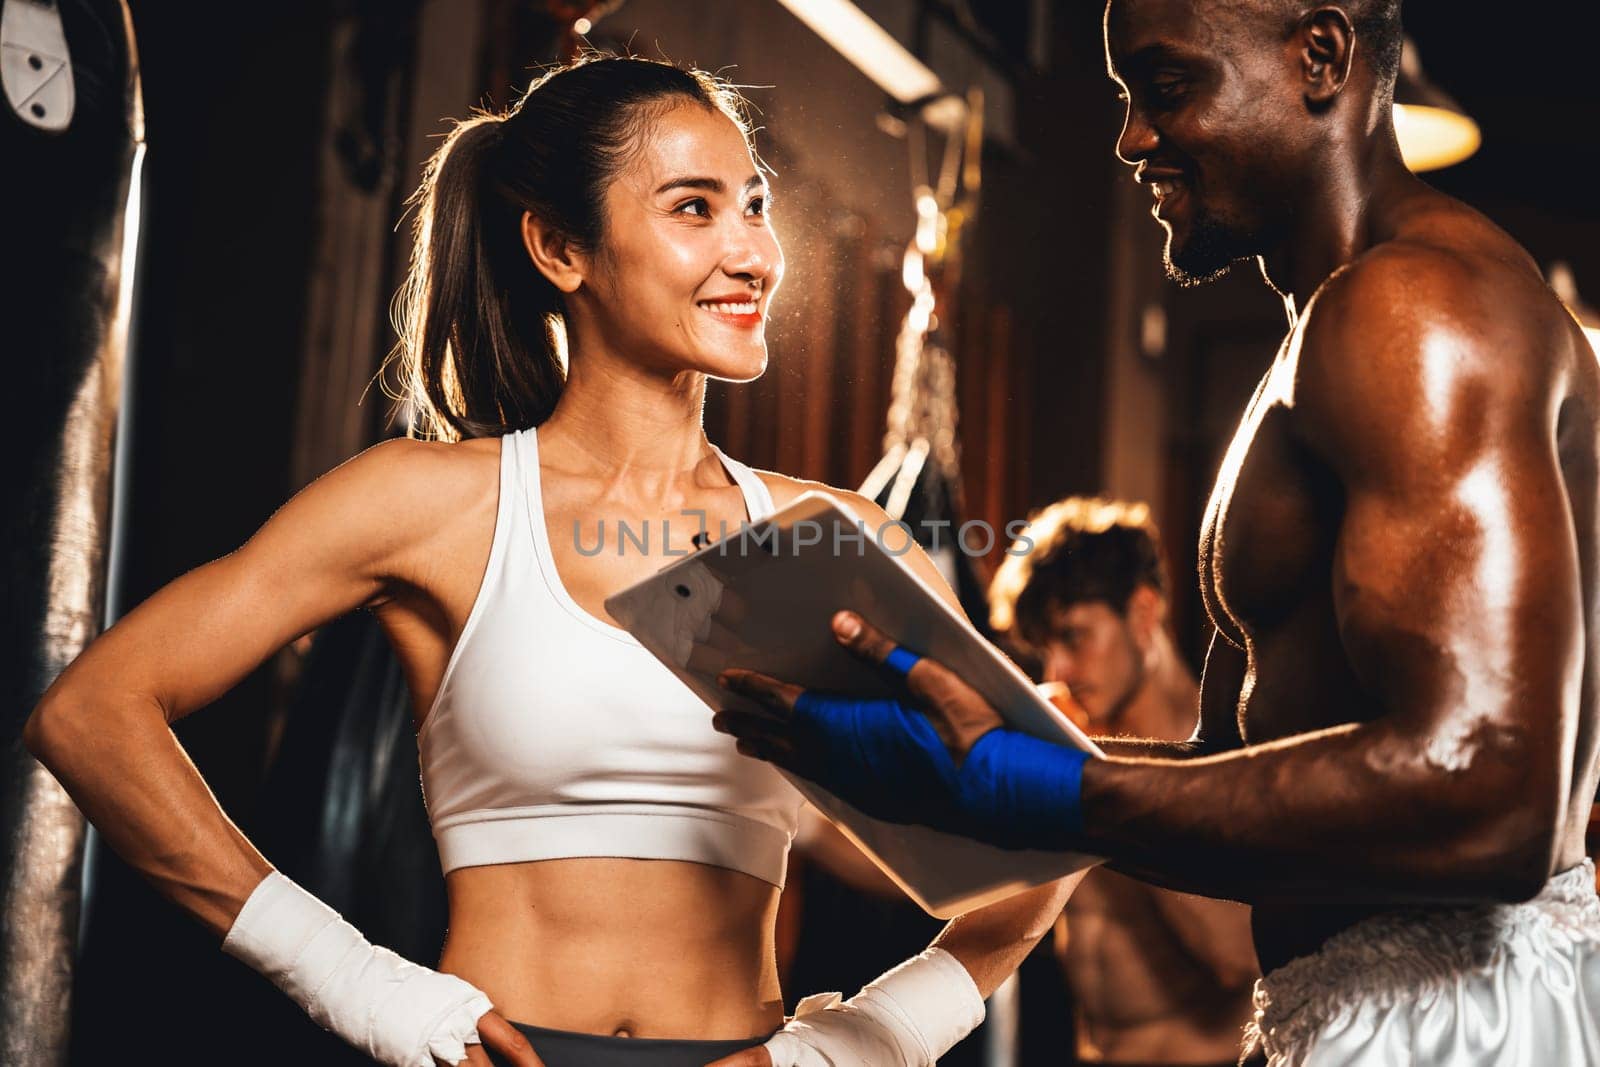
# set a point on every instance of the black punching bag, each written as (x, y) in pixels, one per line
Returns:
(71, 137)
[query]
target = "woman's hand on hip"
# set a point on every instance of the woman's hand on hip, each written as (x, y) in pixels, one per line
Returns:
(503, 1039)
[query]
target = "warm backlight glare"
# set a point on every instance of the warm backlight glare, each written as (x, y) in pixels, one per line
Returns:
(1431, 137)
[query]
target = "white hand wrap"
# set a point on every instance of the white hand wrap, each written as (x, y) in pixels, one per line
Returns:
(908, 1017)
(398, 1013)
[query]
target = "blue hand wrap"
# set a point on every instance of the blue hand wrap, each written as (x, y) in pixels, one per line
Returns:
(884, 758)
(1023, 792)
(902, 660)
(878, 755)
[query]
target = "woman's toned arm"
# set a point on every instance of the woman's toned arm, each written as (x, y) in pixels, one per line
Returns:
(990, 942)
(103, 728)
(379, 524)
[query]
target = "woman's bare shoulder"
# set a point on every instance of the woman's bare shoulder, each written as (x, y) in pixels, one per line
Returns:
(403, 491)
(400, 511)
(785, 489)
(894, 537)
(443, 471)
(405, 464)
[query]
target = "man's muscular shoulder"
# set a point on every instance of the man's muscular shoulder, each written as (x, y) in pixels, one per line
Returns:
(1423, 339)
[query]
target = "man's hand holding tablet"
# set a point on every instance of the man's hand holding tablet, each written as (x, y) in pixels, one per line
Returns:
(941, 758)
(761, 600)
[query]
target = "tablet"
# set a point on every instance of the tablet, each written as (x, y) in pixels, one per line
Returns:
(763, 598)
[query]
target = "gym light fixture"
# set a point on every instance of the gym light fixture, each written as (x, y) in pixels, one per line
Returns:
(1434, 131)
(876, 53)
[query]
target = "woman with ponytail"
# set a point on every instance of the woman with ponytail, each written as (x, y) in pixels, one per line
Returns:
(583, 264)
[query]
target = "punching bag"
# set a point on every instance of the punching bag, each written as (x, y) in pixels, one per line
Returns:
(71, 139)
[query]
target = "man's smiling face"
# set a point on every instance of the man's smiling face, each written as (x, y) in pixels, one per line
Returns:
(1212, 114)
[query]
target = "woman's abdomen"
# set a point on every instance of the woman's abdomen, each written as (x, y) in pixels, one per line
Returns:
(638, 948)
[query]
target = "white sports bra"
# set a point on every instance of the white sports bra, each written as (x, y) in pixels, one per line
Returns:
(555, 734)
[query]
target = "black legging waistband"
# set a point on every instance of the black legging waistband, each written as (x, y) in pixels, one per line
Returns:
(563, 1048)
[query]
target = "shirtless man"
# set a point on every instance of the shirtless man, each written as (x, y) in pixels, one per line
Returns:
(1399, 705)
(1156, 976)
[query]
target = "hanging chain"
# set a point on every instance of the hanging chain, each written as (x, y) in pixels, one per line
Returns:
(923, 409)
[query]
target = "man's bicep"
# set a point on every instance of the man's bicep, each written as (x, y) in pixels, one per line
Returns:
(1454, 573)
(1458, 587)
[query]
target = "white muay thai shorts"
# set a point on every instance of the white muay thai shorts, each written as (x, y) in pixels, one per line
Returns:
(1516, 985)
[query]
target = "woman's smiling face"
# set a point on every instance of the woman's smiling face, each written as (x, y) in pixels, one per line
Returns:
(687, 264)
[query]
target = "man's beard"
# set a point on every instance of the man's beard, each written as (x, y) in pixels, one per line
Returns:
(1210, 252)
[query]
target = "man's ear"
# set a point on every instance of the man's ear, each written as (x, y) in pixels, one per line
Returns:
(1327, 47)
(555, 256)
(1147, 612)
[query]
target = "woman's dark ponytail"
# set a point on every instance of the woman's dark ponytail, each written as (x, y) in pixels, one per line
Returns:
(482, 338)
(477, 351)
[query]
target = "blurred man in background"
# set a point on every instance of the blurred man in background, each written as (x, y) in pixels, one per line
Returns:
(1156, 976)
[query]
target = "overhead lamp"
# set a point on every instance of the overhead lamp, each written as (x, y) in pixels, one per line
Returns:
(876, 53)
(1434, 131)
